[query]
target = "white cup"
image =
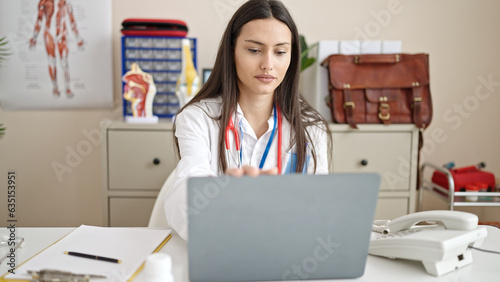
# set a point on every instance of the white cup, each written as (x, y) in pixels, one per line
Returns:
(159, 268)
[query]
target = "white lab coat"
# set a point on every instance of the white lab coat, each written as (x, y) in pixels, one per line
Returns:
(198, 135)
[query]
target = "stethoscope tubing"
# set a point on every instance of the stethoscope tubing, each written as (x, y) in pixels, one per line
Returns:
(238, 139)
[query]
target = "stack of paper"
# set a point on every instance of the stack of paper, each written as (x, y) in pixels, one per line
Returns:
(130, 245)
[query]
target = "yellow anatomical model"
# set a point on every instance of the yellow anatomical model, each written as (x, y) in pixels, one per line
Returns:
(188, 81)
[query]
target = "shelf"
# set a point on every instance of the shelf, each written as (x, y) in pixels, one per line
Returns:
(452, 198)
(162, 58)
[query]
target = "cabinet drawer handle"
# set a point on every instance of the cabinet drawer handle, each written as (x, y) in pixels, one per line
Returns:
(364, 162)
(156, 161)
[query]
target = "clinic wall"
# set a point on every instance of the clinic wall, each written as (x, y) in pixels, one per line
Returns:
(461, 37)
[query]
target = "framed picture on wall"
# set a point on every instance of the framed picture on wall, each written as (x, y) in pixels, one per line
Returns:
(59, 58)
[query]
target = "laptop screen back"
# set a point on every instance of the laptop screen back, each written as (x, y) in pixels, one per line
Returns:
(288, 227)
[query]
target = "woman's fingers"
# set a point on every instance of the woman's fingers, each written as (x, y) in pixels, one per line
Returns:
(250, 171)
(273, 171)
(234, 171)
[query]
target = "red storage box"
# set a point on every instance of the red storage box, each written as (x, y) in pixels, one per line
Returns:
(154, 27)
(464, 176)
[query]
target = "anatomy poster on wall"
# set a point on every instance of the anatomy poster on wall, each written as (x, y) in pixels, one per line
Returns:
(57, 54)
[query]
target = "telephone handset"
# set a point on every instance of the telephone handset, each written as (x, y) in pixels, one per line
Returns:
(442, 244)
(449, 219)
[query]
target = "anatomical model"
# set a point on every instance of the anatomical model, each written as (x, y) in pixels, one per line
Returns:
(140, 91)
(188, 81)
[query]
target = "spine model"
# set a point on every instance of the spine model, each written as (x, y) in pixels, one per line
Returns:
(188, 81)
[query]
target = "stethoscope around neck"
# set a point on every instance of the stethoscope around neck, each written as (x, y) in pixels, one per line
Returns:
(238, 141)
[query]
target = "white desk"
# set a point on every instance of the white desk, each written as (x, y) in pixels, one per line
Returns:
(486, 266)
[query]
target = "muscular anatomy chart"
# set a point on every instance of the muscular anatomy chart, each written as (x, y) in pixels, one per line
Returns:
(60, 49)
(45, 13)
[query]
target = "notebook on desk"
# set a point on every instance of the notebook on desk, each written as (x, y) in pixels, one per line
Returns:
(129, 245)
(289, 227)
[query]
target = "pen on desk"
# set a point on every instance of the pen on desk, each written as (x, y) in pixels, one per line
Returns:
(82, 255)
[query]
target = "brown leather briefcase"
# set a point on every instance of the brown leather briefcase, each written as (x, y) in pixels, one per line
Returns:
(380, 88)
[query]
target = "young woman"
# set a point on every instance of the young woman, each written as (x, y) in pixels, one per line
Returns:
(249, 118)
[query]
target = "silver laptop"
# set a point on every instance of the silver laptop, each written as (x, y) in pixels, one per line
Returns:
(290, 227)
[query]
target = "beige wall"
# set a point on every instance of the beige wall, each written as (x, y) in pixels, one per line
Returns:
(461, 37)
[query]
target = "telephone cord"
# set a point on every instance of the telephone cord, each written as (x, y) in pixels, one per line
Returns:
(484, 250)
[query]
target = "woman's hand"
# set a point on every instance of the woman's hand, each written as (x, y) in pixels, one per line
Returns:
(250, 171)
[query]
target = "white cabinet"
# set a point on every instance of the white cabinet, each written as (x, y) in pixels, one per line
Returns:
(137, 160)
(390, 151)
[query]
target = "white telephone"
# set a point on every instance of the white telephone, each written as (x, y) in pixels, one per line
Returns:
(442, 246)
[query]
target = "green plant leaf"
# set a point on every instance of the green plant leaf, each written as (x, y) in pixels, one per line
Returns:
(303, 44)
(3, 41)
(305, 61)
(2, 130)
(4, 52)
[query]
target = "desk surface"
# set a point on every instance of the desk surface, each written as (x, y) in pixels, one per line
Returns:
(486, 266)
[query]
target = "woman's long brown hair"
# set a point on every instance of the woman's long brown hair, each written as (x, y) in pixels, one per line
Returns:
(222, 82)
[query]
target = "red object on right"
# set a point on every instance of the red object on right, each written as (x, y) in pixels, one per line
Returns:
(463, 177)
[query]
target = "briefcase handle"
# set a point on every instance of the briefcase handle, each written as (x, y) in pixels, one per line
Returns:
(377, 59)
